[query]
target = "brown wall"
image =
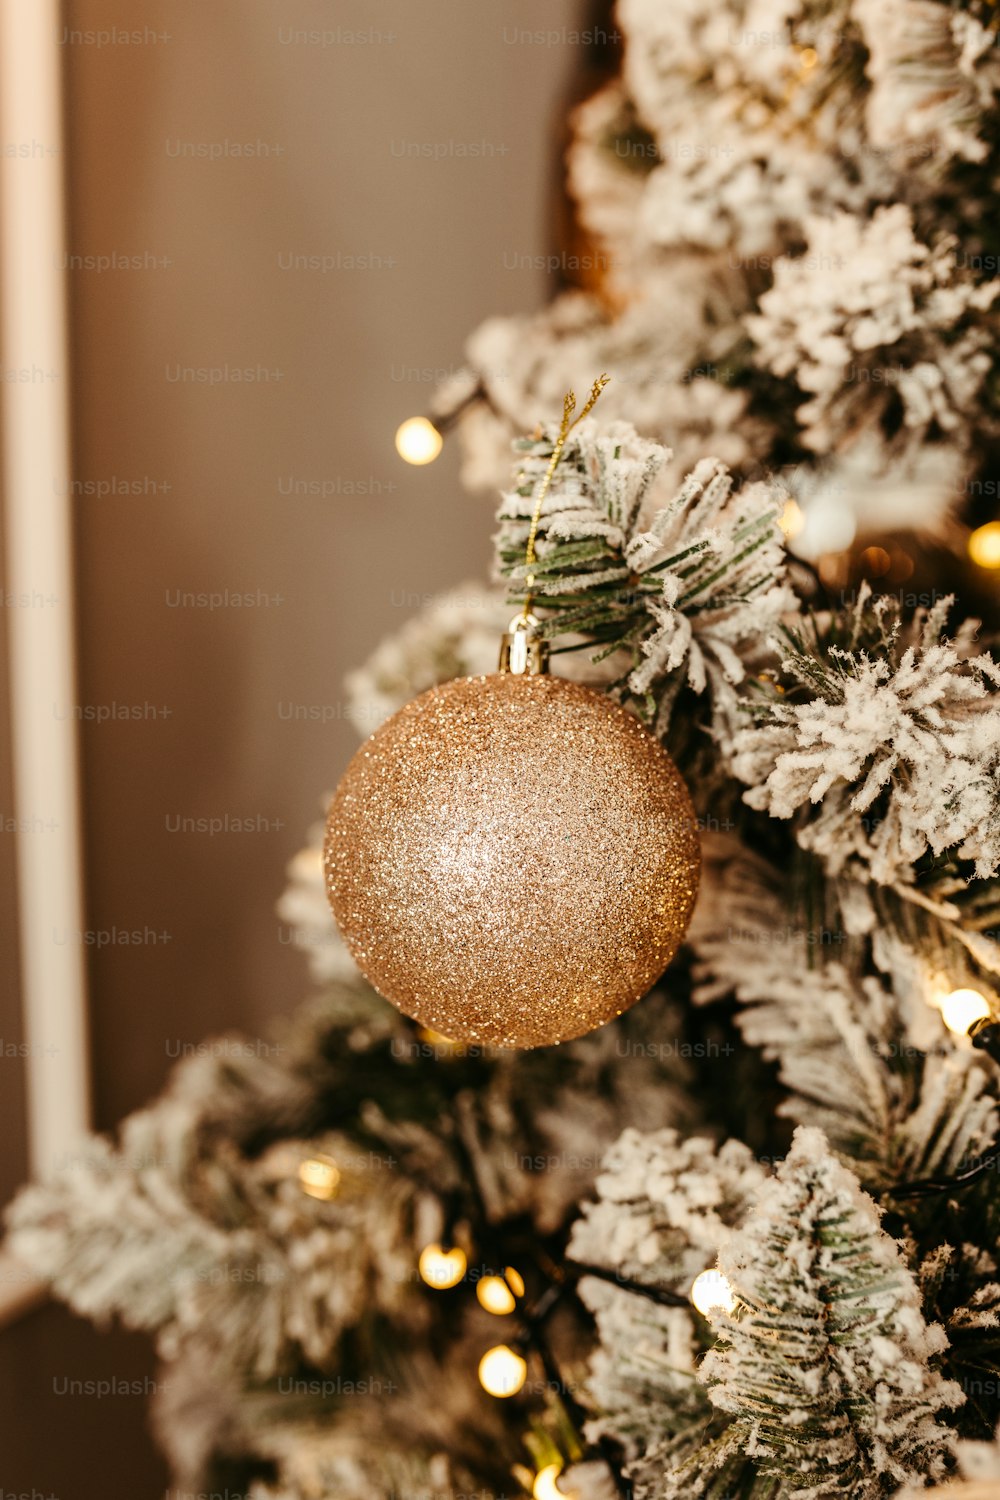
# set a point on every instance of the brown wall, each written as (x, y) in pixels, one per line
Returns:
(335, 346)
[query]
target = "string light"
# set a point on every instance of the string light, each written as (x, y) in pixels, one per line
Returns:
(984, 545)
(319, 1176)
(441, 1044)
(545, 1487)
(960, 1008)
(791, 519)
(902, 565)
(876, 561)
(442, 1268)
(502, 1371)
(499, 1294)
(515, 1281)
(713, 1292)
(418, 440)
(829, 528)
(834, 570)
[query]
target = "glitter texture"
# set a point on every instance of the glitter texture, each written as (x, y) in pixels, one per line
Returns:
(512, 860)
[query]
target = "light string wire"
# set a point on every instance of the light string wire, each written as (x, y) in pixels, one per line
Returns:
(561, 1280)
(565, 428)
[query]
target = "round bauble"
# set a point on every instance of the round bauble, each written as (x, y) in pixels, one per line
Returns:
(512, 859)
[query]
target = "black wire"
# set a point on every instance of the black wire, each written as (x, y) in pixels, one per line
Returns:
(561, 1281)
(659, 1294)
(925, 1187)
(447, 419)
(564, 1278)
(534, 1319)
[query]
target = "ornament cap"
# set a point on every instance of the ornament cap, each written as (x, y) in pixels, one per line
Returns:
(523, 652)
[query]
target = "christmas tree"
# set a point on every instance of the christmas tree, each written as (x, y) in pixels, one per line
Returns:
(742, 1240)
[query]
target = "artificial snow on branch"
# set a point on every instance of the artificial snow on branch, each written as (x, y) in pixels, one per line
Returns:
(687, 583)
(860, 1048)
(893, 735)
(869, 320)
(783, 205)
(827, 1366)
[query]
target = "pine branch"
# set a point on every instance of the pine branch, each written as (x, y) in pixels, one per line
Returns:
(685, 589)
(827, 1367)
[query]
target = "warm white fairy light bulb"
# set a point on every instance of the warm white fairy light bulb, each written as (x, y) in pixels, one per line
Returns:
(418, 440)
(495, 1295)
(959, 1008)
(442, 1268)
(984, 545)
(319, 1176)
(499, 1294)
(712, 1292)
(791, 519)
(545, 1487)
(502, 1371)
(514, 1280)
(827, 527)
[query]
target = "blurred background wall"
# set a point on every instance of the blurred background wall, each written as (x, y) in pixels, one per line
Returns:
(306, 206)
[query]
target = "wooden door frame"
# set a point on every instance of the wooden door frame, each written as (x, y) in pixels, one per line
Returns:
(37, 505)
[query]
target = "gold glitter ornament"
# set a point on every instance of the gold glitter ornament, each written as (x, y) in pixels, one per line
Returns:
(512, 859)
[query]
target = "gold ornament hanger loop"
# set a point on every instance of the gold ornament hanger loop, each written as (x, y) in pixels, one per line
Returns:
(521, 650)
